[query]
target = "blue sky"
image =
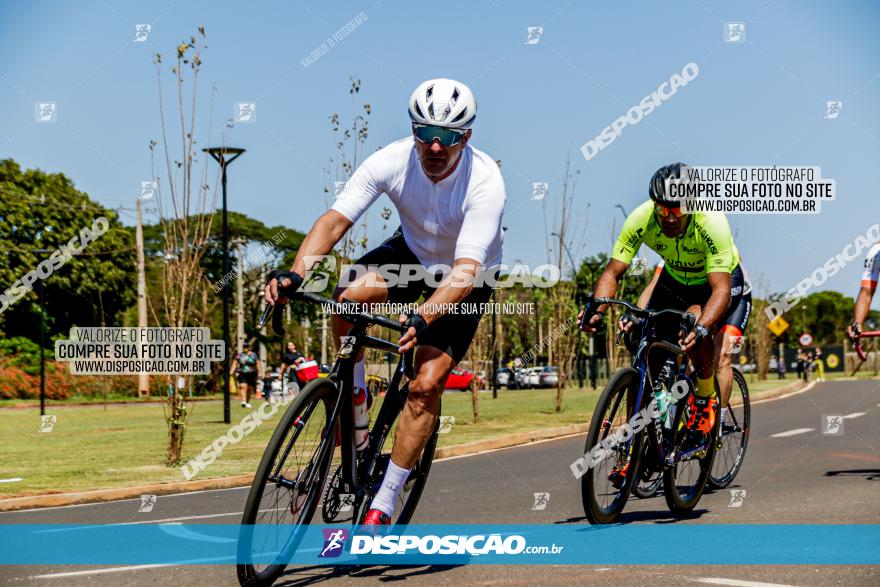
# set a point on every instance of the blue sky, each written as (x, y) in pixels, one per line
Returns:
(761, 102)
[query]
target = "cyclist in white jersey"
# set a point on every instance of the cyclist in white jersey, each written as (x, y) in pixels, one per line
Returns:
(449, 197)
(866, 293)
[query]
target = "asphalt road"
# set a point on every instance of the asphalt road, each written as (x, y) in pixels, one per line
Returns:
(792, 474)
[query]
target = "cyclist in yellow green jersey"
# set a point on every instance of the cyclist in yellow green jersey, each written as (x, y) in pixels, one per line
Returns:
(701, 274)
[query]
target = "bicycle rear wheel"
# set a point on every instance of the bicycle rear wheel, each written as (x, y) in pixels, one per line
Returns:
(650, 476)
(684, 481)
(604, 498)
(287, 486)
(731, 448)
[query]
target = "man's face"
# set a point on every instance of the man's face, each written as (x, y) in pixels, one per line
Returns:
(438, 161)
(671, 224)
(291, 347)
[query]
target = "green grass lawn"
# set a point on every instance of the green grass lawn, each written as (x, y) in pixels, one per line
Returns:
(91, 447)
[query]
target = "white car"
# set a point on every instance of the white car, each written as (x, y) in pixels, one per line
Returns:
(533, 377)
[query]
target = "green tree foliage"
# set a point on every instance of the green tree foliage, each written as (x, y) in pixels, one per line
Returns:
(42, 211)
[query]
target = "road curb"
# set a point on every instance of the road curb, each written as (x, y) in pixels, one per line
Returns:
(508, 441)
(116, 494)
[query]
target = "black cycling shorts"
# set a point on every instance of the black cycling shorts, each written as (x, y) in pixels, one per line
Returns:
(451, 333)
(674, 295)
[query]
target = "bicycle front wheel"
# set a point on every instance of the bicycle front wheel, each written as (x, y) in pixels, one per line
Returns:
(606, 485)
(731, 450)
(287, 486)
(685, 479)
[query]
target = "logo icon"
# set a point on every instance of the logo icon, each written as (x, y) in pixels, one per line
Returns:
(346, 502)
(832, 425)
(736, 343)
(338, 189)
(148, 189)
(147, 503)
(535, 33)
(832, 109)
(346, 346)
(638, 267)
(47, 422)
(334, 542)
(45, 112)
(446, 423)
(317, 276)
(141, 32)
(246, 111)
(539, 190)
(737, 497)
(734, 32)
(541, 501)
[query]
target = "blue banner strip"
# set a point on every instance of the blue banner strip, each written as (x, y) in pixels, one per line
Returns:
(193, 544)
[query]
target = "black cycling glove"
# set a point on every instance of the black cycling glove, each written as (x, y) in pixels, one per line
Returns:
(415, 321)
(289, 290)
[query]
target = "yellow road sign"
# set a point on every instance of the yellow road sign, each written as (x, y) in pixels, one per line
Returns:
(778, 326)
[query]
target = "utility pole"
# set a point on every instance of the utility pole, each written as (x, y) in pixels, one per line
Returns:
(239, 294)
(143, 378)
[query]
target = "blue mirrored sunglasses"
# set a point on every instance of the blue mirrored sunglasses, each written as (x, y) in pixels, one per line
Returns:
(447, 136)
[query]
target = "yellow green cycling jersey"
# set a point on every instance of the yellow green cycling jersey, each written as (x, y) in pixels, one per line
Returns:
(706, 246)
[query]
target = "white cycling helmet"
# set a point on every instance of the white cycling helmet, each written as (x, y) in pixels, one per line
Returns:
(443, 102)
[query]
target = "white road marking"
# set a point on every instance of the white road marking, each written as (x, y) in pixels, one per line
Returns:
(794, 432)
(218, 559)
(737, 582)
(854, 415)
(12, 480)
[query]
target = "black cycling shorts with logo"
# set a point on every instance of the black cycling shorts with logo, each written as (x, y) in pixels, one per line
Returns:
(674, 295)
(451, 333)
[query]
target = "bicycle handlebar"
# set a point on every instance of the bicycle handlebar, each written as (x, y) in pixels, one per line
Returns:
(340, 308)
(857, 347)
(688, 319)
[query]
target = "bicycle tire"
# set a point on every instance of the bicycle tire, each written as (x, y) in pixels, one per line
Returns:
(611, 398)
(722, 481)
(316, 394)
(678, 505)
(646, 488)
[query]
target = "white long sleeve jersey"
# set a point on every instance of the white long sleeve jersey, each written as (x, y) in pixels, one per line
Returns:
(457, 217)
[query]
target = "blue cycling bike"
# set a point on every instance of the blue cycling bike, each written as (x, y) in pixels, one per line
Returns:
(639, 427)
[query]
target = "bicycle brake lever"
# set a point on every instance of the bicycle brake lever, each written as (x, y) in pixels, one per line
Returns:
(265, 316)
(277, 316)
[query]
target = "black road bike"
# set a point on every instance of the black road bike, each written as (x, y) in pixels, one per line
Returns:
(312, 455)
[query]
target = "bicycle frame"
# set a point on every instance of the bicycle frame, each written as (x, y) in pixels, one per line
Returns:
(342, 375)
(641, 363)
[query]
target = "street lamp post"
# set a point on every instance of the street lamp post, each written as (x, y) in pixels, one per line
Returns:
(220, 156)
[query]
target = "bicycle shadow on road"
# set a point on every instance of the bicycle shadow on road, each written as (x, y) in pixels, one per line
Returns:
(658, 517)
(303, 576)
(870, 474)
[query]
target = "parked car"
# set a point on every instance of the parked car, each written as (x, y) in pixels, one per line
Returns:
(459, 379)
(548, 377)
(533, 378)
(505, 377)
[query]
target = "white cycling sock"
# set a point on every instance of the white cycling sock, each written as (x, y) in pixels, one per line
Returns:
(723, 415)
(393, 482)
(361, 415)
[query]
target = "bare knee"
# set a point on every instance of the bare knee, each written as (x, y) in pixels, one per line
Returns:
(423, 394)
